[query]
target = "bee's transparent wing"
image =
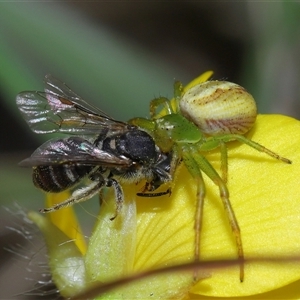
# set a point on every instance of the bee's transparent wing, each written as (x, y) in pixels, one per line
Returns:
(59, 109)
(73, 150)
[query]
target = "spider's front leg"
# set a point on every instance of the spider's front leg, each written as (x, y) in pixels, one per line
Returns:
(196, 163)
(194, 170)
(211, 143)
(155, 103)
(170, 106)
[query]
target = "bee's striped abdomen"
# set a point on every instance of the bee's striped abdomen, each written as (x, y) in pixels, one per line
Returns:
(57, 178)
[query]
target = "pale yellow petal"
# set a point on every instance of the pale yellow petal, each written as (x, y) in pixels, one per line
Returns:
(66, 263)
(66, 219)
(111, 248)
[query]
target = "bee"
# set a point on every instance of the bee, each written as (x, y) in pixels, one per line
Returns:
(104, 150)
(197, 120)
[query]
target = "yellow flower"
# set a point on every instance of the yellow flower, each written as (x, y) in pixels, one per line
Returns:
(157, 232)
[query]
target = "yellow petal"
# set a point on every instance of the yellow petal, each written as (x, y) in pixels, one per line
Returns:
(290, 292)
(165, 237)
(165, 228)
(65, 219)
(200, 79)
(265, 196)
(113, 253)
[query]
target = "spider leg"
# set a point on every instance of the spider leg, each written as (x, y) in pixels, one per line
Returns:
(250, 143)
(192, 166)
(156, 103)
(208, 169)
(224, 161)
(211, 143)
(178, 89)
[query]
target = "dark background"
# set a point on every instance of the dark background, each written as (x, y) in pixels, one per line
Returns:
(119, 56)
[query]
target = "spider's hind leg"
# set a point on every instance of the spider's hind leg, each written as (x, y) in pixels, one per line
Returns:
(252, 144)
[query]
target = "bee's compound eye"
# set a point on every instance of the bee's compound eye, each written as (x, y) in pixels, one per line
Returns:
(219, 107)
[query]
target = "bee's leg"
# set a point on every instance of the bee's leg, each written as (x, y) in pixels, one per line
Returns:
(154, 184)
(162, 173)
(158, 194)
(110, 182)
(79, 195)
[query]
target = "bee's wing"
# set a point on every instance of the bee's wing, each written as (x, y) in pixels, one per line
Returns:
(59, 109)
(73, 150)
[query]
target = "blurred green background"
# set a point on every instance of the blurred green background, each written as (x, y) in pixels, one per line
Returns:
(119, 56)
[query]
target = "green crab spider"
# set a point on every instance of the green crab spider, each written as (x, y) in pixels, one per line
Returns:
(204, 117)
